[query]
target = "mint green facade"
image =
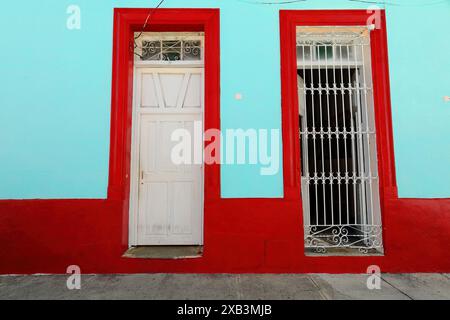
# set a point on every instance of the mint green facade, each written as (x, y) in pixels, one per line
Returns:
(55, 88)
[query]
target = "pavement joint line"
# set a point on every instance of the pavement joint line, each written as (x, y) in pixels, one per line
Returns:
(399, 290)
(311, 277)
(238, 287)
(319, 288)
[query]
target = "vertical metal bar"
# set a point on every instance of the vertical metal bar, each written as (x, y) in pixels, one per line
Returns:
(367, 128)
(305, 151)
(353, 132)
(344, 133)
(319, 69)
(331, 175)
(335, 88)
(361, 153)
(361, 144)
(314, 131)
(182, 50)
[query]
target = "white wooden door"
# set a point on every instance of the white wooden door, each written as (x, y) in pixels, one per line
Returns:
(170, 196)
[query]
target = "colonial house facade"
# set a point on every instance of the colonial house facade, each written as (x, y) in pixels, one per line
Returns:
(225, 136)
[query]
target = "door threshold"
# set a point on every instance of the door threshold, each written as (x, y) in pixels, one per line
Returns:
(164, 252)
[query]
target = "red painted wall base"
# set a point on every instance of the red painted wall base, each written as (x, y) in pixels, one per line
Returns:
(242, 236)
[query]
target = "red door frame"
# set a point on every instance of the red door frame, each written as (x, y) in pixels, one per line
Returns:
(289, 20)
(126, 22)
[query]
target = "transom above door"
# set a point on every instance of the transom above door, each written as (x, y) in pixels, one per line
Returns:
(168, 48)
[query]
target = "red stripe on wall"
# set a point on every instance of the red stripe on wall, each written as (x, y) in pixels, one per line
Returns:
(243, 236)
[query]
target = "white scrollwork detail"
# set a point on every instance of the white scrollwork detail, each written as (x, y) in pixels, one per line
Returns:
(363, 238)
(171, 50)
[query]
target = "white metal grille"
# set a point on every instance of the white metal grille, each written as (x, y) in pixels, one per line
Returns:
(337, 130)
(169, 47)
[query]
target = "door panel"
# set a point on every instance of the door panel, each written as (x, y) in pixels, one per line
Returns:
(171, 88)
(170, 210)
(149, 97)
(155, 210)
(166, 89)
(183, 207)
(193, 98)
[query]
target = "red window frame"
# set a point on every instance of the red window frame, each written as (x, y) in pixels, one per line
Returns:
(126, 22)
(289, 20)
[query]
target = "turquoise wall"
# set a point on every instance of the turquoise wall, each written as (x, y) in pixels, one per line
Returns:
(55, 89)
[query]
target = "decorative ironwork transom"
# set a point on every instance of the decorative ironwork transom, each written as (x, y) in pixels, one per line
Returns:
(168, 47)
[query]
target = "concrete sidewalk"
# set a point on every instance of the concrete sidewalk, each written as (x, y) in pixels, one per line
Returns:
(227, 286)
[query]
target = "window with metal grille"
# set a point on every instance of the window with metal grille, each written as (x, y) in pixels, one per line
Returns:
(340, 188)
